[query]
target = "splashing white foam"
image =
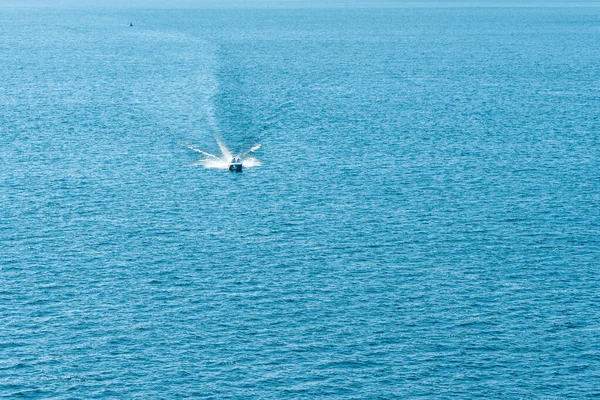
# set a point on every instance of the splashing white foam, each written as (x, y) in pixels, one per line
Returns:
(250, 162)
(222, 162)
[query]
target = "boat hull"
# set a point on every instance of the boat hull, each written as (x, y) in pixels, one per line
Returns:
(235, 167)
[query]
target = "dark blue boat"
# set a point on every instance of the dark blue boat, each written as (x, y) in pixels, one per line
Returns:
(235, 165)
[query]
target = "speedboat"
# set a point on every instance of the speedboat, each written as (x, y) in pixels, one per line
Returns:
(235, 165)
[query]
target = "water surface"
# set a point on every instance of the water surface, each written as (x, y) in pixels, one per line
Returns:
(424, 222)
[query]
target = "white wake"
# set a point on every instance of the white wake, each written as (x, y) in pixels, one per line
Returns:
(223, 161)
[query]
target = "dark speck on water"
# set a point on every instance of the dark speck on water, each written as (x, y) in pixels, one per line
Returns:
(424, 223)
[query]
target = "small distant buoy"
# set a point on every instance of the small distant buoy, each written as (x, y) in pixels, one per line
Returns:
(131, 24)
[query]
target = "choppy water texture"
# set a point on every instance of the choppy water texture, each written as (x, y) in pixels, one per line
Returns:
(424, 223)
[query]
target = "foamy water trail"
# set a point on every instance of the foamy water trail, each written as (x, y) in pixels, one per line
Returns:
(223, 147)
(222, 162)
(210, 116)
(252, 150)
(201, 151)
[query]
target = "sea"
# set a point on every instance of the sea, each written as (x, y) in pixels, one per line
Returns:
(418, 214)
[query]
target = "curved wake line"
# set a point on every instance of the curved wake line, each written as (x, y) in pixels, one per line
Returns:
(200, 151)
(252, 150)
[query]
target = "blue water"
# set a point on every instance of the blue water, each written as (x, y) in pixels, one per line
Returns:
(425, 221)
